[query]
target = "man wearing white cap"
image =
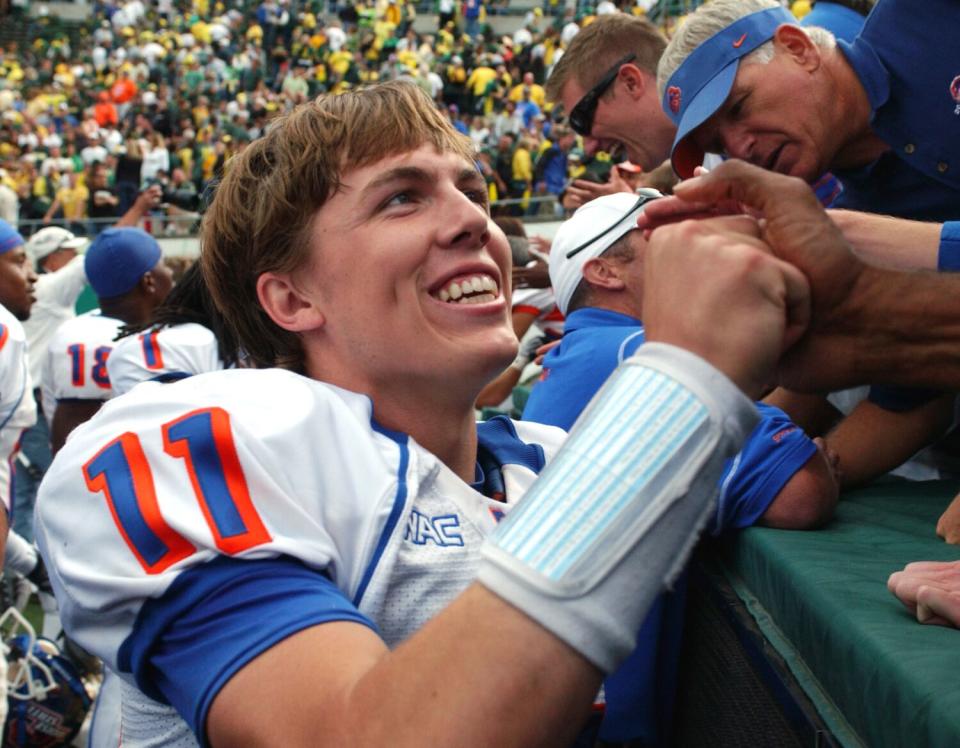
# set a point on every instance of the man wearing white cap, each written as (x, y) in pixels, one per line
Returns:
(780, 478)
(52, 251)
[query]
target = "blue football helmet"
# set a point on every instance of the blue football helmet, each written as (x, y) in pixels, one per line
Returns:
(46, 700)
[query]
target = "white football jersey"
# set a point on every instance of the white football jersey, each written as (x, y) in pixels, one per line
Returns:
(18, 411)
(57, 295)
(163, 355)
(172, 497)
(542, 303)
(75, 366)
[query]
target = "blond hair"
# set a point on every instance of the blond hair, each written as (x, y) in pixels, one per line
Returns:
(260, 217)
(596, 48)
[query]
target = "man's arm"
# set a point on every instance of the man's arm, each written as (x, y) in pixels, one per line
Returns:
(868, 324)
(872, 440)
(581, 191)
(145, 202)
(890, 242)
(52, 210)
(809, 498)
(811, 412)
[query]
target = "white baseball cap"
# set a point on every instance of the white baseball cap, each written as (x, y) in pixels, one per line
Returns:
(49, 240)
(590, 232)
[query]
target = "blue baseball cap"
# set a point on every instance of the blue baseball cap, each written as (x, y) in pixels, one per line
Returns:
(698, 88)
(118, 258)
(10, 238)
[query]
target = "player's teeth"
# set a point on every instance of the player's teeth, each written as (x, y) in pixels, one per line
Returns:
(444, 296)
(455, 291)
(488, 284)
(477, 284)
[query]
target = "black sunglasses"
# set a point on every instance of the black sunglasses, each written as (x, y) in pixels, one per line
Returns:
(644, 196)
(581, 116)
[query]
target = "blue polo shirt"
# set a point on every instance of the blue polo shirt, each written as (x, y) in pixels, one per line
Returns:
(906, 58)
(640, 694)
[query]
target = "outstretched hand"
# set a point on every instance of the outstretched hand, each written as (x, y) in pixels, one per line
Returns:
(793, 224)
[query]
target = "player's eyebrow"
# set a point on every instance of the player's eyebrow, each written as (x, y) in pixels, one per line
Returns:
(398, 174)
(468, 176)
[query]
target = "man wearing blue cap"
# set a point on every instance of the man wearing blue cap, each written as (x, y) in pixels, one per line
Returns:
(126, 270)
(742, 78)
(16, 405)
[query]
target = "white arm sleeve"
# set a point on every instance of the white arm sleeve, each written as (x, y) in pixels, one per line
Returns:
(612, 519)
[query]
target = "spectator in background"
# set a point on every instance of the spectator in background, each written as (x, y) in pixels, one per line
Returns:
(105, 112)
(71, 203)
(551, 170)
(103, 204)
(156, 159)
(127, 177)
(9, 201)
(530, 90)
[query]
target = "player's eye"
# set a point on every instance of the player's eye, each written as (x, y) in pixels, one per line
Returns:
(403, 197)
(477, 195)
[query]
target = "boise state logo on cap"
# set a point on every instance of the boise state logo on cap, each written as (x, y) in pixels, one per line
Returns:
(117, 260)
(955, 89)
(706, 77)
(673, 98)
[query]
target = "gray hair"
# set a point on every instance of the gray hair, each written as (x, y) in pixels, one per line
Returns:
(714, 17)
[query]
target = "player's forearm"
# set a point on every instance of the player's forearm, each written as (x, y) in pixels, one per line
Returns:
(480, 674)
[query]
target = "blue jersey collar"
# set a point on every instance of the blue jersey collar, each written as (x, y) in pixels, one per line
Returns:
(869, 69)
(591, 316)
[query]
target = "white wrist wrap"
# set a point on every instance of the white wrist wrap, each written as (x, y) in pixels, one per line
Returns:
(612, 519)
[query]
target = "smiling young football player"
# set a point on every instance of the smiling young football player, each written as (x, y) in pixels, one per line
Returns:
(330, 551)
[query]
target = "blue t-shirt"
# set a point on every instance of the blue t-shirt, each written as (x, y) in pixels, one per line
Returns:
(640, 694)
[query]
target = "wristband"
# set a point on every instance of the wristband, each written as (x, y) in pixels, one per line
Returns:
(613, 517)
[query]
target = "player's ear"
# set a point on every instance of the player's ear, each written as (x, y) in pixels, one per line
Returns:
(602, 274)
(147, 283)
(286, 304)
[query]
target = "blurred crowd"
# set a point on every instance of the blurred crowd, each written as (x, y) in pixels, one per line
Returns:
(142, 95)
